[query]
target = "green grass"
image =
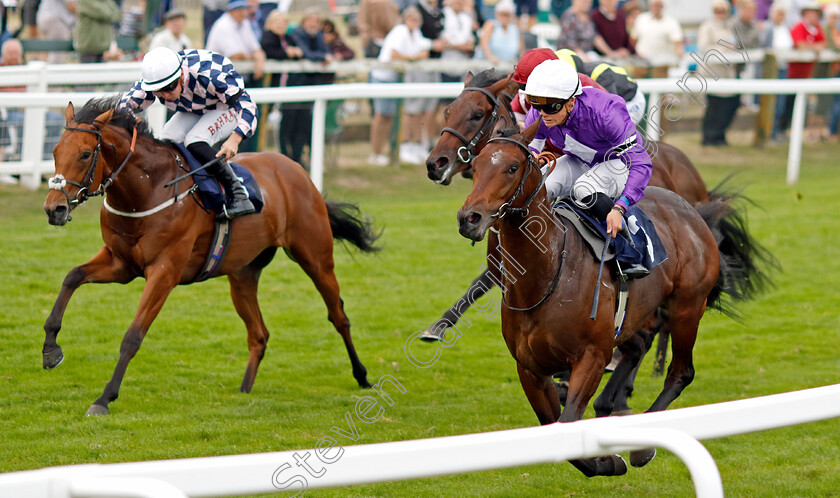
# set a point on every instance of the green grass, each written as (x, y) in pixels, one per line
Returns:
(180, 396)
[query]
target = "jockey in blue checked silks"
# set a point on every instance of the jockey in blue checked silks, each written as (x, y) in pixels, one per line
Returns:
(605, 168)
(210, 104)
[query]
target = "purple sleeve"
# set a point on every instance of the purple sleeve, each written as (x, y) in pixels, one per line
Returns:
(618, 130)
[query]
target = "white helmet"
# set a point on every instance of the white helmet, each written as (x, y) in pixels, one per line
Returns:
(161, 66)
(553, 79)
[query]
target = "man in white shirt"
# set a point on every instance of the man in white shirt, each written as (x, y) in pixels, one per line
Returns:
(172, 35)
(233, 37)
(659, 39)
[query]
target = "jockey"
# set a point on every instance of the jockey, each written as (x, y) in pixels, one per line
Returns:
(210, 104)
(529, 60)
(605, 168)
(613, 79)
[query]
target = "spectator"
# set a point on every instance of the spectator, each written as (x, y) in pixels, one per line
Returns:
(807, 35)
(611, 25)
(212, 11)
(265, 8)
(762, 11)
(527, 11)
(720, 107)
(133, 25)
(296, 123)
(95, 29)
(500, 39)
(404, 42)
(577, 31)
(749, 35)
(172, 35)
(55, 20)
(11, 120)
(28, 18)
(276, 43)
(659, 39)
(336, 46)
(777, 38)
(831, 29)
(375, 19)
(233, 37)
(458, 36)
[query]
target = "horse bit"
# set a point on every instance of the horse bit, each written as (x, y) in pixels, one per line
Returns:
(58, 182)
(465, 152)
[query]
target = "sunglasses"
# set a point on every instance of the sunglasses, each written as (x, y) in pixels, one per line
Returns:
(521, 86)
(170, 87)
(552, 108)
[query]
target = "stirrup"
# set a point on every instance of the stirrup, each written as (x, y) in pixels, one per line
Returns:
(632, 270)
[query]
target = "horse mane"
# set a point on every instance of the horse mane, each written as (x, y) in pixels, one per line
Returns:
(486, 78)
(123, 117)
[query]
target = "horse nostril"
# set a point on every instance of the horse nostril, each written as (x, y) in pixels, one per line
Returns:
(432, 165)
(474, 219)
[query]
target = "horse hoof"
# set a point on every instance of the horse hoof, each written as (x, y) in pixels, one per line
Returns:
(364, 384)
(53, 358)
(96, 410)
(640, 458)
(432, 335)
(615, 465)
(621, 413)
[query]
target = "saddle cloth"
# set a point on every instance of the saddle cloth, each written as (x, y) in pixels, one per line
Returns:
(649, 250)
(211, 193)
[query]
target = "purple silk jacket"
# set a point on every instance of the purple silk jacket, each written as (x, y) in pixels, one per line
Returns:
(599, 129)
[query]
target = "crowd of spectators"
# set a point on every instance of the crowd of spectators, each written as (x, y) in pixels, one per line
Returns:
(641, 33)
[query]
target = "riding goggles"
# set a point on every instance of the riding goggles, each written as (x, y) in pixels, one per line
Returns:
(170, 87)
(542, 104)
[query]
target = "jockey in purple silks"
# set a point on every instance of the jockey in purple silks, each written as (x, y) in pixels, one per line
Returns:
(605, 168)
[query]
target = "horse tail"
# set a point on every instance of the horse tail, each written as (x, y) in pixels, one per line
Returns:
(744, 262)
(349, 225)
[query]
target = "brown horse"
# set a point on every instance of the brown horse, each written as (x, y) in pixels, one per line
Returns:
(164, 237)
(548, 290)
(469, 121)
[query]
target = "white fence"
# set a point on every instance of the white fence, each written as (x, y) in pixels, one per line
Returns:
(677, 430)
(37, 76)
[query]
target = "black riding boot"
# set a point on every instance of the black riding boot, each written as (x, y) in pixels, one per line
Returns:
(240, 203)
(600, 205)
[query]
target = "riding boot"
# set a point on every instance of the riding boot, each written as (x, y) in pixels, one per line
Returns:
(240, 203)
(631, 270)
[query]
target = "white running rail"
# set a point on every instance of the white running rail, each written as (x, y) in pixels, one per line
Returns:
(676, 430)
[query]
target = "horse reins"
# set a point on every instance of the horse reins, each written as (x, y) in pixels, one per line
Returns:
(523, 211)
(58, 182)
(465, 152)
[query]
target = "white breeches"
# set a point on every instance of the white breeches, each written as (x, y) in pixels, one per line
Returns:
(211, 127)
(572, 177)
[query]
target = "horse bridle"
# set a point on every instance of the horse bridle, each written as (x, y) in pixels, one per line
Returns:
(58, 182)
(523, 211)
(506, 208)
(465, 152)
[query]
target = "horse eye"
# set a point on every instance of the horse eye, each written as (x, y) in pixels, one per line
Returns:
(477, 116)
(85, 155)
(513, 168)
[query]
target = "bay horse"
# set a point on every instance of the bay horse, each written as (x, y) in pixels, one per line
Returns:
(546, 321)
(484, 103)
(163, 235)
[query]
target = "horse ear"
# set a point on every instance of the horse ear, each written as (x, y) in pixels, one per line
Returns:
(529, 132)
(468, 78)
(104, 118)
(69, 113)
(500, 86)
(512, 87)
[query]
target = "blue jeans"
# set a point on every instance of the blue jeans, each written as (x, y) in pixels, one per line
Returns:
(834, 117)
(780, 109)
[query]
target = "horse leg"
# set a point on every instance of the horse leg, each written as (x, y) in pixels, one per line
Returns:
(586, 375)
(480, 286)
(102, 268)
(160, 280)
(683, 320)
(320, 268)
(632, 351)
(243, 291)
(662, 345)
(541, 394)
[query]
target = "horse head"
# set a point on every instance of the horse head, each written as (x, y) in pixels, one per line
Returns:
(506, 181)
(78, 169)
(467, 124)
